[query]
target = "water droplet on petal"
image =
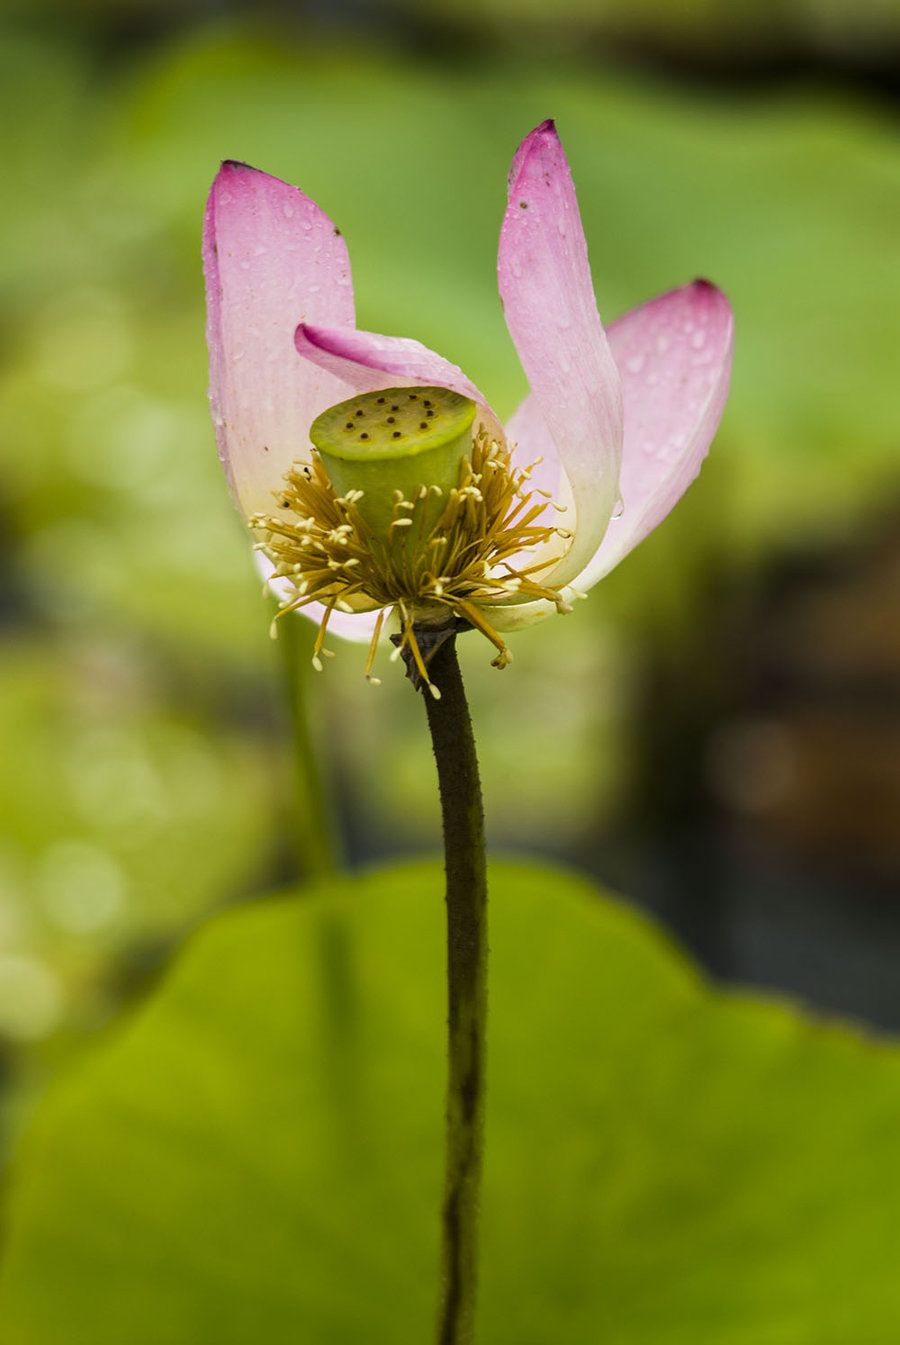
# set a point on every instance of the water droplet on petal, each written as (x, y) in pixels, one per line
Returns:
(634, 364)
(288, 210)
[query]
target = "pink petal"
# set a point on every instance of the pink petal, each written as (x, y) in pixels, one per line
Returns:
(367, 361)
(675, 357)
(527, 431)
(358, 627)
(548, 298)
(272, 259)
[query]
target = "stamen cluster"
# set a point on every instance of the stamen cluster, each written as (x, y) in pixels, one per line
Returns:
(424, 571)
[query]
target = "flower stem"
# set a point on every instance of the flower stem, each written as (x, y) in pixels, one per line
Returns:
(314, 831)
(466, 870)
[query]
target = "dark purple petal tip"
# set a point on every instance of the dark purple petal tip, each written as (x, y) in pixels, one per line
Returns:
(237, 166)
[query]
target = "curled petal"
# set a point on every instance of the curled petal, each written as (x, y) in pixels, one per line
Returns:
(368, 361)
(548, 299)
(506, 617)
(675, 356)
(271, 259)
(358, 627)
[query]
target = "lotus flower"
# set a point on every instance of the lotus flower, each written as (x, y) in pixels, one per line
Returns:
(614, 429)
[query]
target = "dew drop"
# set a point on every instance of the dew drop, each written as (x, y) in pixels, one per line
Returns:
(618, 507)
(634, 364)
(288, 210)
(698, 340)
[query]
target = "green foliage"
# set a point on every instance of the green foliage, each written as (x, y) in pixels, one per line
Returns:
(123, 818)
(256, 1155)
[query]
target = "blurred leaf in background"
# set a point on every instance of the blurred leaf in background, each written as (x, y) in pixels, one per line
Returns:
(256, 1153)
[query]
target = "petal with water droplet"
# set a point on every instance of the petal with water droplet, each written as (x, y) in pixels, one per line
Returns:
(674, 397)
(548, 299)
(265, 272)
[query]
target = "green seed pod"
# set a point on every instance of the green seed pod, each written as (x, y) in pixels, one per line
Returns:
(392, 444)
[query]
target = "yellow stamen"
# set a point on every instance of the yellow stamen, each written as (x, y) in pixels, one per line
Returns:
(458, 560)
(474, 617)
(373, 646)
(320, 636)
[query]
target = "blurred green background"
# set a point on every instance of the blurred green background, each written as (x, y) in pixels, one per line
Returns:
(716, 732)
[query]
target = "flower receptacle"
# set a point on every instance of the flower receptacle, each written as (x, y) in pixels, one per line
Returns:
(392, 445)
